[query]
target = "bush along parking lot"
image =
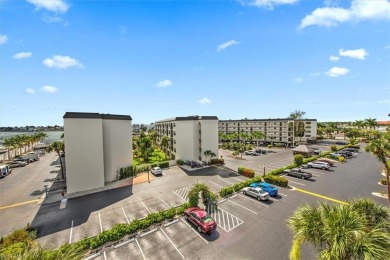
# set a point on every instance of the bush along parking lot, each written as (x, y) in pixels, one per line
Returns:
(246, 172)
(132, 170)
(16, 248)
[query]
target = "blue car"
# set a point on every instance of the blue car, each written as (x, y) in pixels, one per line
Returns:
(272, 190)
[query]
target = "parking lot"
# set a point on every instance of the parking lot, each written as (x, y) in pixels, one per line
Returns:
(247, 228)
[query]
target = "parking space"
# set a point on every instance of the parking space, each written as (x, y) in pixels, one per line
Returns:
(130, 249)
(223, 218)
(82, 228)
(182, 193)
(111, 216)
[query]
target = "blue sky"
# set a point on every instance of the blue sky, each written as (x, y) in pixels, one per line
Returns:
(159, 59)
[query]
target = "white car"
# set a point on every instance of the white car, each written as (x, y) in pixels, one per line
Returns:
(156, 171)
(319, 165)
(256, 192)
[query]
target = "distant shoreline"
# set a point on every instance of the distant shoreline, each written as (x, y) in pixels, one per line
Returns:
(51, 135)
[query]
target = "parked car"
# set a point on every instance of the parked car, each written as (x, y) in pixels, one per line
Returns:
(32, 156)
(341, 143)
(319, 165)
(352, 150)
(335, 155)
(256, 192)
(15, 164)
(272, 190)
(296, 172)
(4, 170)
(330, 162)
(248, 152)
(201, 219)
(23, 159)
(346, 154)
(260, 151)
(156, 171)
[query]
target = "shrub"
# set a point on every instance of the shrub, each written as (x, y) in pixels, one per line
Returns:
(298, 159)
(341, 159)
(163, 165)
(226, 191)
(246, 172)
(277, 180)
(383, 181)
(269, 146)
(126, 172)
(217, 161)
(19, 235)
(333, 148)
(180, 162)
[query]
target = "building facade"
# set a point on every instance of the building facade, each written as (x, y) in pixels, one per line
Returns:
(96, 147)
(189, 137)
(280, 130)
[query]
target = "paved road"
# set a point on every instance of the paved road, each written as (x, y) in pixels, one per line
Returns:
(25, 185)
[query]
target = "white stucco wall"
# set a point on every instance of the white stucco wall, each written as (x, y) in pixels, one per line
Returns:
(184, 140)
(117, 146)
(209, 137)
(84, 154)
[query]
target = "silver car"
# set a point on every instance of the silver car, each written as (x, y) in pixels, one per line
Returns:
(256, 192)
(319, 165)
(156, 171)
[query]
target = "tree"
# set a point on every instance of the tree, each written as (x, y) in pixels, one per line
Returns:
(153, 136)
(298, 159)
(371, 123)
(206, 154)
(164, 142)
(145, 147)
(380, 147)
(257, 135)
(299, 127)
(297, 114)
(359, 124)
(9, 144)
(358, 230)
(57, 147)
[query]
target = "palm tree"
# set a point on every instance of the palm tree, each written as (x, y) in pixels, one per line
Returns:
(342, 231)
(297, 114)
(153, 136)
(164, 142)
(371, 123)
(380, 147)
(359, 123)
(57, 147)
(9, 144)
(145, 146)
(257, 135)
(206, 154)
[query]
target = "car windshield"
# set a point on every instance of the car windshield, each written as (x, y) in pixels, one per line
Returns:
(261, 191)
(207, 219)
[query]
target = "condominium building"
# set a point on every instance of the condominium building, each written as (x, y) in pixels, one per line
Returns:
(189, 137)
(280, 130)
(96, 147)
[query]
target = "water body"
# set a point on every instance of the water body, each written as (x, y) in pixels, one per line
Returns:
(51, 136)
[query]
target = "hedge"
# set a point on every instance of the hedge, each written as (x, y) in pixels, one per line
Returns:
(217, 161)
(180, 162)
(383, 181)
(246, 172)
(236, 187)
(277, 180)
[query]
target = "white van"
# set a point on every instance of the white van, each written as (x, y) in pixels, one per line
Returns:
(4, 170)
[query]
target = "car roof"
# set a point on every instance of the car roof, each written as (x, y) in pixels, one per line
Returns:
(156, 167)
(200, 212)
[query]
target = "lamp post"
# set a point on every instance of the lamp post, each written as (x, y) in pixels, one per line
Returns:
(45, 186)
(263, 170)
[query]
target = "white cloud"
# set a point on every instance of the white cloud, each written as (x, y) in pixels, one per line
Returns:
(56, 6)
(269, 4)
(49, 89)
(22, 55)
(62, 62)
(53, 19)
(354, 54)
(298, 80)
(30, 91)
(359, 10)
(204, 100)
(315, 74)
(164, 83)
(387, 47)
(3, 38)
(225, 45)
(334, 58)
(337, 71)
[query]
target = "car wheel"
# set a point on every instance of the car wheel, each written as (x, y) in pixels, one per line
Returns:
(185, 217)
(302, 177)
(288, 174)
(259, 198)
(309, 166)
(200, 230)
(244, 192)
(323, 168)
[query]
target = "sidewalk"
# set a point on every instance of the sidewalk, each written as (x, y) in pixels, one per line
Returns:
(57, 194)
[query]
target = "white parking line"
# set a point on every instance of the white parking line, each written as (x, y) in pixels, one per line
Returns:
(216, 184)
(146, 207)
(282, 194)
(100, 221)
(315, 175)
(273, 199)
(71, 231)
(124, 213)
(243, 207)
(225, 180)
(258, 202)
(194, 231)
(140, 249)
(164, 202)
(172, 243)
(297, 183)
(237, 179)
(105, 256)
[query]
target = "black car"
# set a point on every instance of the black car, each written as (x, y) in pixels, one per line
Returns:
(341, 143)
(352, 150)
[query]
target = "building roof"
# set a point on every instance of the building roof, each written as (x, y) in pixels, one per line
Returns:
(187, 118)
(303, 149)
(96, 115)
(269, 119)
(383, 122)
